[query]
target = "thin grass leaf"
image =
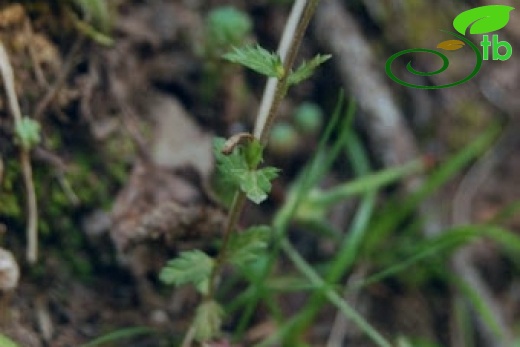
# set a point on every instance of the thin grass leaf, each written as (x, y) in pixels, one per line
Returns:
(448, 241)
(290, 283)
(365, 184)
(116, 336)
(483, 310)
(346, 255)
(464, 321)
(319, 164)
(257, 59)
(333, 296)
(359, 226)
(397, 211)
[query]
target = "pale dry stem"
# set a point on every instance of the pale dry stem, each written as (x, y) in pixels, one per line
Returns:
(25, 160)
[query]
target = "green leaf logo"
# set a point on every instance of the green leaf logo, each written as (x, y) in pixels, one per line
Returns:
(483, 19)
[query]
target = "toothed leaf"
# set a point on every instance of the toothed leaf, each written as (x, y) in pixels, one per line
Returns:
(257, 59)
(257, 183)
(208, 321)
(306, 69)
(237, 169)
(190, 267)
(248, 245)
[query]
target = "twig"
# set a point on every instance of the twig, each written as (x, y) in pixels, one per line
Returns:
(40, 77)
(60, 80)
(25, 160)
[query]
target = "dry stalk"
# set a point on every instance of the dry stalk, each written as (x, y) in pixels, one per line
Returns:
(25, 159)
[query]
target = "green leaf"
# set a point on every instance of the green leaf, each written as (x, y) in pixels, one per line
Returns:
(257, 59)
(97, 13)
(190, 267)
(248, 245)
(208, 320)
(306, 69)
(115, 336)
(253, 153)
(28, 132)
(231, 167)
(236, 169)
(7, 342)
(483, 19)
(257, 183)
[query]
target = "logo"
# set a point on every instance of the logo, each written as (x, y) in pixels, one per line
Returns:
(479, 20)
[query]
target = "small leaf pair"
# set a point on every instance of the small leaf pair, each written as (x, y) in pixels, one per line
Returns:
(195, 267)
(269, 63)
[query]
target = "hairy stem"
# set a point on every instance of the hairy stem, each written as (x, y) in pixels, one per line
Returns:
(293, 34)
(272, 83)
(262, 130)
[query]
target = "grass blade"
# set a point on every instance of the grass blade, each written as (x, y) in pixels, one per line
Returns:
(118, 335)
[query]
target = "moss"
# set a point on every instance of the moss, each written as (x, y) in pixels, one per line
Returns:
(92, 175)
(10, 206)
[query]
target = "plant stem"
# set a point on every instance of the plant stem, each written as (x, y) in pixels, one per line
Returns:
(283, 48)
(234, 214)
(262, 130)
(294, 35)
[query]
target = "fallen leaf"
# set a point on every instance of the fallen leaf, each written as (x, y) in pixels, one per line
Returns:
(451, 45)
